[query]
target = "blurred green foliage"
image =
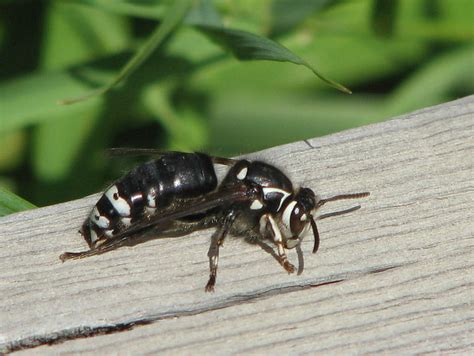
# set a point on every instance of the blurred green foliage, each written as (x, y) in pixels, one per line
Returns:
(186, 87)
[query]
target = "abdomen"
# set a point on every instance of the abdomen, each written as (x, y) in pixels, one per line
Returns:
(147, 190)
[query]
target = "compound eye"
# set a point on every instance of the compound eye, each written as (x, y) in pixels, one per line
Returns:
(298, 220)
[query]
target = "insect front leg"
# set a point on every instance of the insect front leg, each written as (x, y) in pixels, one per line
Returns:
(217, 241)
(268, 226)
(255, 238)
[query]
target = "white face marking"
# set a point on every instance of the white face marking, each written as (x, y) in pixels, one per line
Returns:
(126, 221)
(119, 203)
(100, 220)
(256, 205)
(285, 219)
(276, 230)
(303, 217)
(269, 190)
(151, 198)
(277, 235)
(243, 173)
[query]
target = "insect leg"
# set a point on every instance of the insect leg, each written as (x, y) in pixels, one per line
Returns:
(105, 247)
(255, 238)
(216, 242)
(238, 193)
(176, 228)
(278, 240)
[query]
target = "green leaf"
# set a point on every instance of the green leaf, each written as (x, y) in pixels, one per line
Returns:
(186, 129)
(33, 98)
(171, 21)
(12, 203)
(78, 33)
(243, 45)
(248, 46)
(51, 163)
(99, 33)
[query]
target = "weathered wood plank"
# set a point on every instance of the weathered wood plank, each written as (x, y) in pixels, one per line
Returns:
(395, 276)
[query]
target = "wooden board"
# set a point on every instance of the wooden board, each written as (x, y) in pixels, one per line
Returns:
(395, 276)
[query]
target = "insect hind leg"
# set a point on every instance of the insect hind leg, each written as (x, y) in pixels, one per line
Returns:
(76, 255)
(102, 248)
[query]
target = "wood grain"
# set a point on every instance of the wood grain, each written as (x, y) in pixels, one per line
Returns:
(395, 276)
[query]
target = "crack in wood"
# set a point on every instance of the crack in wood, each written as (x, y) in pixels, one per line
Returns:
(86, 331)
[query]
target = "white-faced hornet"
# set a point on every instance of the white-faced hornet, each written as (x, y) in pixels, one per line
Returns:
(178, 193)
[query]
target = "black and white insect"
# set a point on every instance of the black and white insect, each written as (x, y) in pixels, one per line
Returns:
(178, 193)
